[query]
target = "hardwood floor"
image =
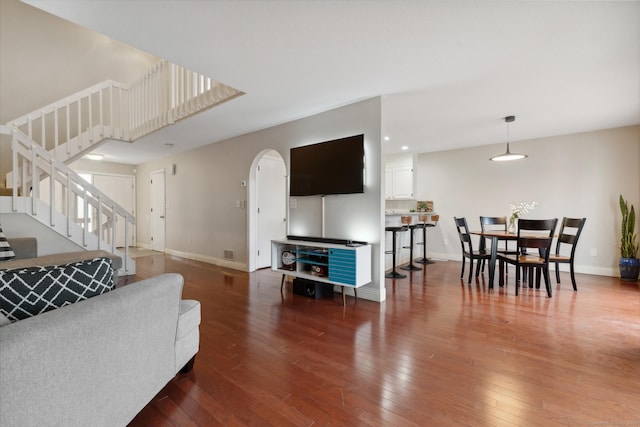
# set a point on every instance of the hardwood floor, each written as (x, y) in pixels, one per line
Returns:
(437, 352)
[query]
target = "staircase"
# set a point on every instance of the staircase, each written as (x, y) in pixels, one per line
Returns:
(63, 201)
(45, 141)
(80, 123)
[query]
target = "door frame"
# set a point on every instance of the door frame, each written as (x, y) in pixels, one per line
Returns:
(151, 222)
(252, 207)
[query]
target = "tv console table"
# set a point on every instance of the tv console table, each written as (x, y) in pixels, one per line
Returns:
(345, 265)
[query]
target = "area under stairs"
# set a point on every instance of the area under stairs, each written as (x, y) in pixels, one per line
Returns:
(63, 202)
(55, 239)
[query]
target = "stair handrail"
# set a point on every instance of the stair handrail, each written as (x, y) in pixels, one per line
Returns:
(72, 182)
(166, 93)
(74, 114)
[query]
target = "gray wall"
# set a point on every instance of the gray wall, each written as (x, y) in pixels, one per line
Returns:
(44, 59)
(571, 175)
(202, 218)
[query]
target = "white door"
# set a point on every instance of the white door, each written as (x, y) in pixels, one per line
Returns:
(157, 192)
(120, 189)
(271, 189)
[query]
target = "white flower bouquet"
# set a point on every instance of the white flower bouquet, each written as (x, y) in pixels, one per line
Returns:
(517, 210)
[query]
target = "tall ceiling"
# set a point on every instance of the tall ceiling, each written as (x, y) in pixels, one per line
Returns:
(448, 71)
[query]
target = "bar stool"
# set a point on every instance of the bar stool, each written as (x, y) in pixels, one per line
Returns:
(407, 220)
(395, 229)
(434, 221)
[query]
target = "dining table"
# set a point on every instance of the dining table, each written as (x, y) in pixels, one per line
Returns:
(496, 236)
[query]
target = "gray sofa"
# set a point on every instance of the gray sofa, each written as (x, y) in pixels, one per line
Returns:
(97, 362)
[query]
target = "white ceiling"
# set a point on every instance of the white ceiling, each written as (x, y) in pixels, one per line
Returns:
(448, 71)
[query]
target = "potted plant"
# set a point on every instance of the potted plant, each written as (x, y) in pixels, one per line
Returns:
(629, 262)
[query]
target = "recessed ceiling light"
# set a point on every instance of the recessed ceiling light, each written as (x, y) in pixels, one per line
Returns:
(386, 138)
(404, 147)
(94, 156)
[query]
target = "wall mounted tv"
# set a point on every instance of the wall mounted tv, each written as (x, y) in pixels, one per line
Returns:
(332, 167)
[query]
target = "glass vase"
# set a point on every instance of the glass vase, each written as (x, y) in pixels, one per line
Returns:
(512, 225)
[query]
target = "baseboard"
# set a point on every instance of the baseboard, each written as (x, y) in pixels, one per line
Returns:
(210, 260)
(367, 292)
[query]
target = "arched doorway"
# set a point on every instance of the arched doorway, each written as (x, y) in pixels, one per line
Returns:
(267, 206)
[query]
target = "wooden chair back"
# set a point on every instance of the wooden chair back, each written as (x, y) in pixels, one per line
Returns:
(463, 233)
(570, 230)
(493, 223)
(545, 227)
(542, 244)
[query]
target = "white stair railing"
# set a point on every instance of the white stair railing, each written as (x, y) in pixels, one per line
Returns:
(90, 218)
(73, 124)
(168, 93)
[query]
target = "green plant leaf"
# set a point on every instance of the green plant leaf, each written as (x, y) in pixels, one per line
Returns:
(628, 238)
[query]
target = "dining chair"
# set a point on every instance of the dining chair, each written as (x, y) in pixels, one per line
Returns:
(494, 223)
(467, 248)
(532, 234)
(570, 230)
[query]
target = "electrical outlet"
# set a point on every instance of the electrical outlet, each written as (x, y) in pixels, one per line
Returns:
(445, 241)
(594, 252)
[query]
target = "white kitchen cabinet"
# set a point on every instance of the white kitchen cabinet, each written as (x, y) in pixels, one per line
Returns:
(399, 183)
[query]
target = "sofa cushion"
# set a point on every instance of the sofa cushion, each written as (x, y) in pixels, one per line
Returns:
(6, 252)
(31, 291)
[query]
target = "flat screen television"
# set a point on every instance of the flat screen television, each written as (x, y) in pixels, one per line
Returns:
(331, 167)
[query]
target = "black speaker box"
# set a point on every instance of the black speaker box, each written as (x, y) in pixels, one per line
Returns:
(311, 289)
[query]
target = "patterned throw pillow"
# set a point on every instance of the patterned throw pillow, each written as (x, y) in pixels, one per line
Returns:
(6, 252)
(27, 292)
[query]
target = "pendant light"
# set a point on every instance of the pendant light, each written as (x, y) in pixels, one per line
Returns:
(508, 155)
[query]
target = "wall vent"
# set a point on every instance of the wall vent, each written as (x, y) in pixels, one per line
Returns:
(229, 254)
